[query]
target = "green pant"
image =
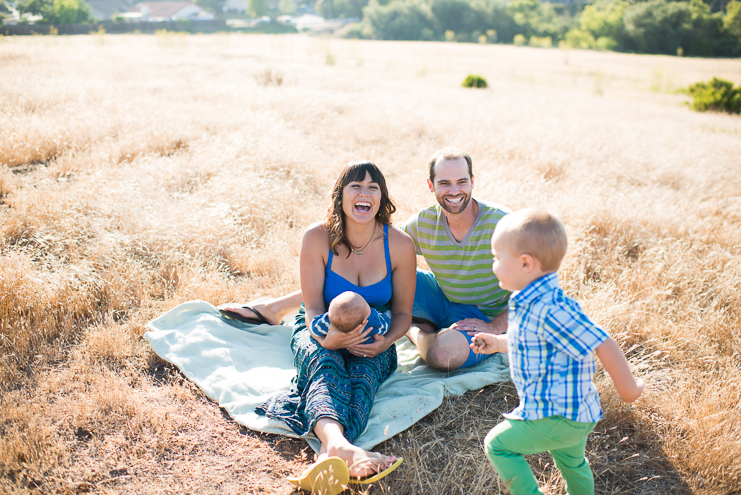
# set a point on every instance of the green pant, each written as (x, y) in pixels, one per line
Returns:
(510, 440)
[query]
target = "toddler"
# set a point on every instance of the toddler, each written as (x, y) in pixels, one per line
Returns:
(346, 312)
(550, 343)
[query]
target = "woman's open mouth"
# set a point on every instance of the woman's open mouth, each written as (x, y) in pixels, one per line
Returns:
(363, 206)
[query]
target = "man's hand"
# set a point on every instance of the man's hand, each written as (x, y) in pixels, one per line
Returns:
(497, 326)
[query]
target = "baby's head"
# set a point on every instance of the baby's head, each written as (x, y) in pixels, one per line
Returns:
(526, 245)
(347, 311)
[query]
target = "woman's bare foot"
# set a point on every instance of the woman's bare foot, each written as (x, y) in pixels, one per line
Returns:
(361, 462)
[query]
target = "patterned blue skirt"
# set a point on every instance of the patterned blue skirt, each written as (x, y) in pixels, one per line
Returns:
(328, 384)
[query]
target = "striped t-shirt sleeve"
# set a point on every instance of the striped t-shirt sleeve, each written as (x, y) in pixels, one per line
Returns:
(410, 228)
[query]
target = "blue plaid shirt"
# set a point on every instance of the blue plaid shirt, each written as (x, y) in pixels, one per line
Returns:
(551, 345)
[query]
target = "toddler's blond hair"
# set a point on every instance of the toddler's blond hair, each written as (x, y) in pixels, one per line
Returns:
(539, 233)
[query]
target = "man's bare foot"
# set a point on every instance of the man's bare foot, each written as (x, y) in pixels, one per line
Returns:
(412, 334)
(360, 462)
(249, 311)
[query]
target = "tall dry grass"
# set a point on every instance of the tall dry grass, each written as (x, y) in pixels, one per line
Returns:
(138, 172)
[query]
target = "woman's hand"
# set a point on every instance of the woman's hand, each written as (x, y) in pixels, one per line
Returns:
(336, 339)
(373, 349)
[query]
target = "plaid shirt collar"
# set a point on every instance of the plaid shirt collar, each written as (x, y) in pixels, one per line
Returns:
(535, 289)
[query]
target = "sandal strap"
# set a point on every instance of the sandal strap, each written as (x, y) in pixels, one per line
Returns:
(364, 460)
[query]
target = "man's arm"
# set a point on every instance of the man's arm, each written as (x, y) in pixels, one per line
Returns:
(613, 360)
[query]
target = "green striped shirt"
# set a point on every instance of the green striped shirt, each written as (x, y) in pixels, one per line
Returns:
(463, 269)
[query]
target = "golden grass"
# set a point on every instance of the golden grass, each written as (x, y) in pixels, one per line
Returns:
(138, 172)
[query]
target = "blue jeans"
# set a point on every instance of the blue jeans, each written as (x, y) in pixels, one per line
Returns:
(431, 304)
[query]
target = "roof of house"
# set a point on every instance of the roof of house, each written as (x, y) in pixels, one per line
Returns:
(107, 8)
(168, 8)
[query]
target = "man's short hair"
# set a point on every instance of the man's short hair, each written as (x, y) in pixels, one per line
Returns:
(539, 233)
(449, 153)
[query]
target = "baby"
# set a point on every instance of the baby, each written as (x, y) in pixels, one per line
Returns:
(551, 344)
(346, 312)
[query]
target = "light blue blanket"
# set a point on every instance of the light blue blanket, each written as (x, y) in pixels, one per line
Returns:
(240, 366)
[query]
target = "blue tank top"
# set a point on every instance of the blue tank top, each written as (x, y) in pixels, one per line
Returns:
(377, 295)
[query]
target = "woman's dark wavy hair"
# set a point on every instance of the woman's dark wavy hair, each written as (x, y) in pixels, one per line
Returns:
(334, 222)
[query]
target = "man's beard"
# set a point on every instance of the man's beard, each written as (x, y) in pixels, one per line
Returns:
(454, 209)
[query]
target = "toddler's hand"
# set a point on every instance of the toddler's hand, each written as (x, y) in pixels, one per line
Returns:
(484, 343)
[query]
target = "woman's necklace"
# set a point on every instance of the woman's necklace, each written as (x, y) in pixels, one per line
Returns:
(360, 251)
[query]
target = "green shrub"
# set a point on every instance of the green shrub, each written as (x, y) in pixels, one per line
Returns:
(473, 81)
(732, 20)
(57, 11)
(717, 95)
(576, 38)
(545, 42)
(400, 20)
(606, 43)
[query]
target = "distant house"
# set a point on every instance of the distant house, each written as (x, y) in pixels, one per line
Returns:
(235, 6)
(109, 9)
(172, 11)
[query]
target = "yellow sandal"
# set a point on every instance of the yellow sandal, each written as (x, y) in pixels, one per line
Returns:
(329, 476)
(372, 478)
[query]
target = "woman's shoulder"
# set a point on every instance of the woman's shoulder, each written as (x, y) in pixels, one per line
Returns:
(399, 240)
(316, 233)
(398, 235)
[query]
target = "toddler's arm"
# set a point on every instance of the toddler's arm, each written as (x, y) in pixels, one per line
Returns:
(487, 343)
(612, 358)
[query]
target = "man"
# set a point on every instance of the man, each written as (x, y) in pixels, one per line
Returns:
(461, 295)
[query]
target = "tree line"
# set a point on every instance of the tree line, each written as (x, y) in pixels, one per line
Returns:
(693, 27)
(668, 27)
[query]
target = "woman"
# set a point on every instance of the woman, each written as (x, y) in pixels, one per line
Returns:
(355, 249)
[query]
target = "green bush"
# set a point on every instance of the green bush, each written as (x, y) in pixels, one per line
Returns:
(717, 95)
(474, 81)
(453, 15)
(545, 42)
(576, 38)
(400, 20)
(661, 26)
(57, 11)
(604, 18)
(606, 43)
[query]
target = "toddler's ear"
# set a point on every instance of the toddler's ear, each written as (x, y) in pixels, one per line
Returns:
(527, 262)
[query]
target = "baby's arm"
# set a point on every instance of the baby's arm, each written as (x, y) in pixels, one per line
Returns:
(380, 321)
(320, 325)
(614, 362)
(488, 343)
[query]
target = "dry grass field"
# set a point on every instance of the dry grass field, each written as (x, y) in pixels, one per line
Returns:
(139, 172)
